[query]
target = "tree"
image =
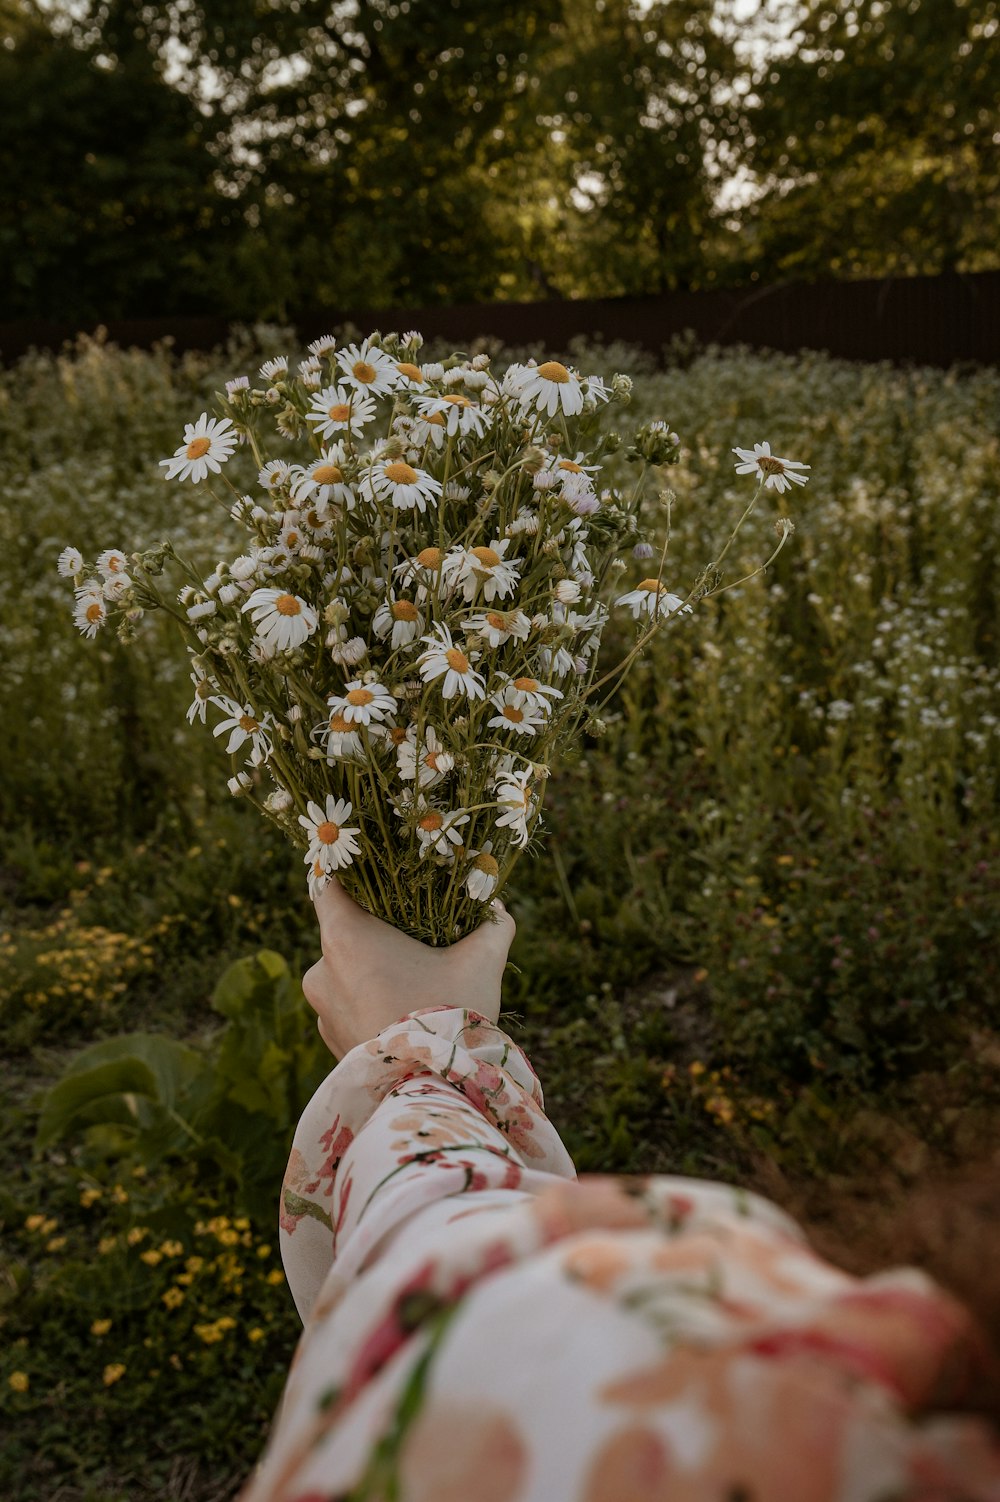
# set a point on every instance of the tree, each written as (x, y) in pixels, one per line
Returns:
(874, 140)
(110, 205)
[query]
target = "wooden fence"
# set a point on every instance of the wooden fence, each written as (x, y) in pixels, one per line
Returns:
(940, 320)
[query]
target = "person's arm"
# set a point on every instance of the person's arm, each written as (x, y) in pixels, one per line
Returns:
(430, 1098)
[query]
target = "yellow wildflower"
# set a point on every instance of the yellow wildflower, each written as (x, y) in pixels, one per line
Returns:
(137, 1234)
(89, 1197)
(100, 1327)
(34, 1222)
(56, 1244)
(48, 1226)
(255, 1334)
(228, 1238)
(107, 1244)
(151, 1257)
(119, 1195)
(194, 1264)
(700, 975)
(19, 1381)
(171, 1248)
(173, 1298)
(276, 1275)
(225, 1323)
(208, 1333)
(242, 1224)
(113, 1372)
(263, 1251)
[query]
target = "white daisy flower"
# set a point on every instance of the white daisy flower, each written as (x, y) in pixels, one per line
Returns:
(323, 346)
(69, 563)
(275, 474)
(516, 377)
(443, 659)
(595, 391)
(438, 830)
(363, 703)
(90, 611)
(201, 610)
(551, 388)
(340, 409)
(273, 370)
(529, 693)
(778, 474)
(487, 569)
(340, 738)
(410, 376)
(311, 373)
(512, 791)
(350, 652)
(483, 873)
(208, 443)
(240, 784)
(499, 626)
(203, 688)
(426, 764)
(401, 617)
(429, 428)
(243, 725)
(368, 368)
(460, 413)
(567, 591)
(323, 483)
(112, 562)
(332, 843)
(525, 523)
(116, 585)
(281, 620)
(651, 597)
(402, 485)
(238, 383)
(526, 719)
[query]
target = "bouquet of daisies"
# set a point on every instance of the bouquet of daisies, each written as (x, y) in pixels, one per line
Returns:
(410, 624)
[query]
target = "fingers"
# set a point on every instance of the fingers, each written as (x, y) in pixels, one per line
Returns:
(334, 910)
(493, 937)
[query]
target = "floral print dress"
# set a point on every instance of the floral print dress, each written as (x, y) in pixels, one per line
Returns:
(482, 1326)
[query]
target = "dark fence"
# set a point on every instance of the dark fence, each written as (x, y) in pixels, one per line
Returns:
(931, 320)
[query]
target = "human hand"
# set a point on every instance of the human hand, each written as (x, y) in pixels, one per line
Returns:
(371, 974)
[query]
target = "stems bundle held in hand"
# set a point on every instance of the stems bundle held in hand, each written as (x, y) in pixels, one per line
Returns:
(412, 627)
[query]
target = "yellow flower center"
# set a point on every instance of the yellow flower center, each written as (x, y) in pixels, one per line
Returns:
(768, 465)
(339, 725)
(412, 372)
(403, 610)
(198, 448)
(436, 419)
(360, 696)
(94, 612)
(328, 833)
(526, 685)
(456, 399)
(486, 864)
(652, 586)
(497, 620)
(430, 557)
(431, 760)
(430, 822)
(328, 474)
(514, 715)
(363, 372)
(457, 660)
(487, 557)
(248, 723)
(114, 565)
(553, 371)
(288, 605)
(400, 473)
(339, 412)
(397, 735)
(568, 464)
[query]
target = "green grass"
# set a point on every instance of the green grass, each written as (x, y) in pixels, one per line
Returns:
(759, 942)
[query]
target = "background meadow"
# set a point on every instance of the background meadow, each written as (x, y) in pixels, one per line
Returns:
(762, 923)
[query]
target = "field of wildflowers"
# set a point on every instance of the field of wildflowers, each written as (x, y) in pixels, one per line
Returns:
(765, 917)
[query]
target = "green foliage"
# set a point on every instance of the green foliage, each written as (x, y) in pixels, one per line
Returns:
(229, 1108)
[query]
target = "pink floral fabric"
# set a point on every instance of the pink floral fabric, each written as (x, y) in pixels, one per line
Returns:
(481, 1326)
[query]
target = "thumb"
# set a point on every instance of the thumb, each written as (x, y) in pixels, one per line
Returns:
(495, 934)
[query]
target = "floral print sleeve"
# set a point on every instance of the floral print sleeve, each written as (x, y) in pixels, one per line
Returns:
(447, 1103)
(479, 1324)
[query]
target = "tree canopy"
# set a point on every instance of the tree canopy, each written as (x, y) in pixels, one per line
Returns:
(255, 158)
